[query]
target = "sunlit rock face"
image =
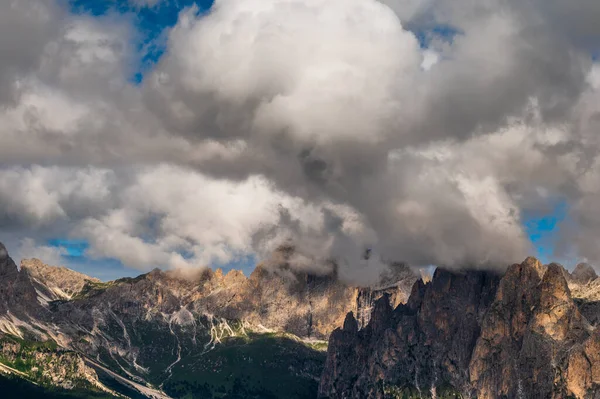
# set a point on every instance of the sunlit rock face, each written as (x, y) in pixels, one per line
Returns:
(474, 334)
(55, 283)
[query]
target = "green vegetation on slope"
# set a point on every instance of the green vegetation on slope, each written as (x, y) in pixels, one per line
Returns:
(16, 387)
(255, 366)
(410, 392)
(46, 366)
(241, 364)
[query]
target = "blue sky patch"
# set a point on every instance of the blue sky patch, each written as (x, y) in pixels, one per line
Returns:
(72, 248)
(103, 269)
(543, 228)
(150, 22)
(443, 33)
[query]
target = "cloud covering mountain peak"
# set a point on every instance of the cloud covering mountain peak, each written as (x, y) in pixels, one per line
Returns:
(423, 130)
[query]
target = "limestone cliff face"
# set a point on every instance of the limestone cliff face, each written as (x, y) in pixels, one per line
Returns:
(472, 334)
(54, 283)
(527, 336)
(423, 344)
(585, 289)
(278, 299)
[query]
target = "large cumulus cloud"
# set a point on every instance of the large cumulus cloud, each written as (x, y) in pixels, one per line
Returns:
(421, 129)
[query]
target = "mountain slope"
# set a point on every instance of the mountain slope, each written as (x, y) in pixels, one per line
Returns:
(54, 283)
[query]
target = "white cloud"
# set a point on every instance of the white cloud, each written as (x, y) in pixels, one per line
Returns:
(28, 249)
(594, 77)
(179, 210)
(430, 58)
(303, 67)
(318, 121)
(41, 196)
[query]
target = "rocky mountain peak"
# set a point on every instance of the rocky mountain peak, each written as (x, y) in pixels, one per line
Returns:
(554, 285)
(17, 293)
(517, 285)
(8, 274)
(8, 269)
(583, 274)
(155, 274)
(234, 277)
(3, 252)
(556, 312)
(534, 264)
(381, 317)
(59, 281)
(218, 274)
(350, 323)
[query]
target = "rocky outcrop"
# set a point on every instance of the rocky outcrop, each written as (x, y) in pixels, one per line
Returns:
(585, 289)
(425, 343)
(54, 283)
(277, 298)
(583, 273)
(395, 285)
(503, 329)
(17, 294)
(527, 335)
(471, 334)
(583, 368)
(45, 364)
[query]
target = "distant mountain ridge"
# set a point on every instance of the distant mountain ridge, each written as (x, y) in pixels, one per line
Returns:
(177, 333)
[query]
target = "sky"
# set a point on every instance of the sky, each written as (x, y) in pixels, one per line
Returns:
(137, 134)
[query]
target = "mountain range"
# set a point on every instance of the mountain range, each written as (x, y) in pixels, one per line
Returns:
(528, 332)
(179, 333)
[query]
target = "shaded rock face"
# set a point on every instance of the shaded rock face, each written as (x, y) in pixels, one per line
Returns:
(8, 276)
(527, 335)
(471, 334)
(17, 293)
(426, 342)
(396, 285)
